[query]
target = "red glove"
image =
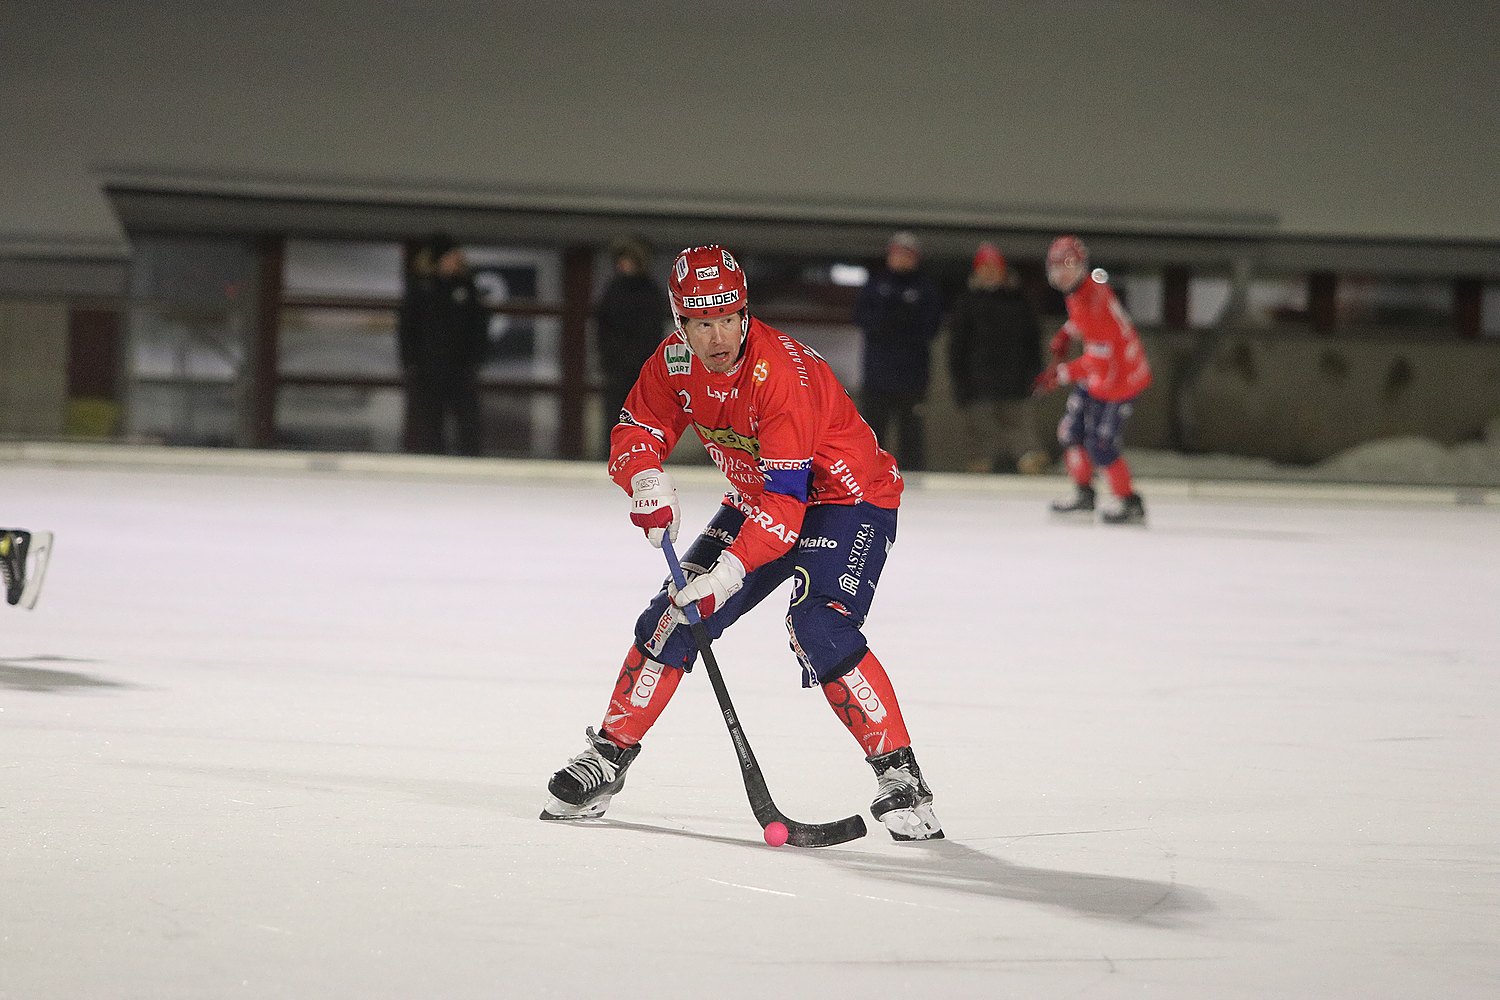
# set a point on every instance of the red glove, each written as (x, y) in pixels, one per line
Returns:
(653, 505)
(1061, 342)
(1049, 379)
(711, 589)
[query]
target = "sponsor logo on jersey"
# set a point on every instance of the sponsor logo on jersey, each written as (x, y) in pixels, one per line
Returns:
(785, 464)
(627, 419)
(645, 684)
(622, 460)
(840, 470)
(706, 273)
(795, 350)
(864, 693)
(679, 359)
(721, 395)
(761, 519)
(774, 527)
(710, 301)
(730, 439)
(762, 370)
(741, 472)
(817, 542)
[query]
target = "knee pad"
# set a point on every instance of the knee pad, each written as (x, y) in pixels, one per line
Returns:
(826, 639)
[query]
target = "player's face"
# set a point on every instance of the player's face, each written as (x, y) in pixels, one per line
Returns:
(716, 341)
(1065, 274)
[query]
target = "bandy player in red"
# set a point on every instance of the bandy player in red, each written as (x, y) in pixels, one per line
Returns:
(1106, 378)
(813, 501)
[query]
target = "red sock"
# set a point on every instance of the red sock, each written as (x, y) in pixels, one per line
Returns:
(642, 691)
(1119, 477)
(865, 702)
(1079, 466)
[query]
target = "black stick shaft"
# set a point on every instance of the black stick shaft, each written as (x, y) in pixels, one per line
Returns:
(798, 834)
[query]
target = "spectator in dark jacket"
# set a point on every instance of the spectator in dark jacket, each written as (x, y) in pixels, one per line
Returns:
(994, 354)
(629, 323)
(442, 332)
(898, 311)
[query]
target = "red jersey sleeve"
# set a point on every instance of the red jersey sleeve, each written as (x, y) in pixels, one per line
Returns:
(651, 423)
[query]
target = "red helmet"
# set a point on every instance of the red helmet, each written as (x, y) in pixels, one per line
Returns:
(706, 282)
(1065, 249)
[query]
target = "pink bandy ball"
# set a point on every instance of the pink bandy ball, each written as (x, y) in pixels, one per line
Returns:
(775, 833)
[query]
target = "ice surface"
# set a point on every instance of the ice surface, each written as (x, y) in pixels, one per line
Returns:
(286, 734)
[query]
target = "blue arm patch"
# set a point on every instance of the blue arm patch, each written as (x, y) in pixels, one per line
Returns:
(794, 482)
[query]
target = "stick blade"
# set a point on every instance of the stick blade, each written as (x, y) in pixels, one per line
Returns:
(824, 834)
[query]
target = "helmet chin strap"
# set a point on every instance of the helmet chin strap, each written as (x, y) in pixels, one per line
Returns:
(744, 335)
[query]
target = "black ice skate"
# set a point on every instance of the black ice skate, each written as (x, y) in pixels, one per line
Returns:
(904, 802)
(583, 788)
(1132, 510)
(23, 563)
(1081, 503)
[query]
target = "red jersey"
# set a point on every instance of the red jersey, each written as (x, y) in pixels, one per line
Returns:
(778, 425)
(1113, 366)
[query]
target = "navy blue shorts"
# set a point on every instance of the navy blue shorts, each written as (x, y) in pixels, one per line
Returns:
(834, 568)
(1095, 424)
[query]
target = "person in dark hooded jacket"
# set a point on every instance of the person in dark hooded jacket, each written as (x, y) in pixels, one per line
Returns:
(629, 323)
(442, 333)
(994, 355)
(898, 311)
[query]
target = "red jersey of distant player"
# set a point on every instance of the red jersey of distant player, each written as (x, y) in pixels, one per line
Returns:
(1113, 365)
(778, 425)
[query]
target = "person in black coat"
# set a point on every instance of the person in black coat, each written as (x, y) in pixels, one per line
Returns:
(898, 310)
(442, 333)
(629, 323)
(994, 354)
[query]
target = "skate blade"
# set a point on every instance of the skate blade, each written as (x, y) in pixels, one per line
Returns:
(918, 823)
(557, 809)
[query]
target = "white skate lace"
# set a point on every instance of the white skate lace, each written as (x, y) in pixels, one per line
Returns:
(591, 770)
(897, 777)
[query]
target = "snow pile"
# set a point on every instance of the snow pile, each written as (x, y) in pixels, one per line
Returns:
(1407, 460)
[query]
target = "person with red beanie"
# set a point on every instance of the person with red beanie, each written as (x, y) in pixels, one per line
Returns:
(994, 355)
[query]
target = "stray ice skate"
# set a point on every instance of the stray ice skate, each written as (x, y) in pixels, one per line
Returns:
(23, 562)
(903, 802)
(583, 787)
